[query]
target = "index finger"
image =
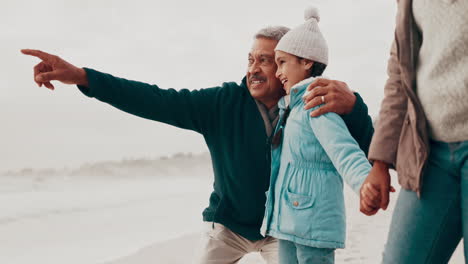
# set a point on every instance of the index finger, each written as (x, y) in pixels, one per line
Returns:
(318, 82)
(37, 53)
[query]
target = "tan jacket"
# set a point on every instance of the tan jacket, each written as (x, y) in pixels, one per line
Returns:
(401, 135)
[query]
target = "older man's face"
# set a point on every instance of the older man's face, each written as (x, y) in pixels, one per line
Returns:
(261, 80)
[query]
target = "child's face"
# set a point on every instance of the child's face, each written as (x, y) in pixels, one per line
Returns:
(291, 69)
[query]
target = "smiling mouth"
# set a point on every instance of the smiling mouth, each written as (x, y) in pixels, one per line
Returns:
(257, 81)
(284, 81)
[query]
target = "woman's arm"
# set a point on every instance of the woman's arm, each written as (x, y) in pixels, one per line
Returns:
(393, 110)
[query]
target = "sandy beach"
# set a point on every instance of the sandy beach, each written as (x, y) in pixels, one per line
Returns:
(122, 213)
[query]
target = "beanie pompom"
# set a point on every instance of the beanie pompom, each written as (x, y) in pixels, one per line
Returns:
(312, 12)
(306, 40)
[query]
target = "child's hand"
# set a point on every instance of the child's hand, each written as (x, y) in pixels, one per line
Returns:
(377, 183)
(370, 198)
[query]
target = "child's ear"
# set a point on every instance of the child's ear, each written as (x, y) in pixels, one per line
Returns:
(307, 64)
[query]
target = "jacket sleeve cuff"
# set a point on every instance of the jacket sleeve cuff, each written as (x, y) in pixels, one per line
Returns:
(376, 154)
(357, 109)
(92, 83)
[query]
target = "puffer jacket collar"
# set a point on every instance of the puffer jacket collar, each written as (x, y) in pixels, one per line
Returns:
(297, 92)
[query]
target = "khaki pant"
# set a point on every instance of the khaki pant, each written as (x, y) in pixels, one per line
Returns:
(222, 246)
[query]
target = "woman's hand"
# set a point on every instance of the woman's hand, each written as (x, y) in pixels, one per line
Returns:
(374, 194)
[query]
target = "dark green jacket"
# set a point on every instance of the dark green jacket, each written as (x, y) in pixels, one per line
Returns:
(233, 128)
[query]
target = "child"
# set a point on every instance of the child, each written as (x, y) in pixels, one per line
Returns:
(305, 204)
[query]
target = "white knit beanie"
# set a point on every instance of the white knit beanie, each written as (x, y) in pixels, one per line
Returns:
(306, 41)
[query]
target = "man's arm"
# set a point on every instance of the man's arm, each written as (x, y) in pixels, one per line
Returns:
(360, 124)
(185, 109)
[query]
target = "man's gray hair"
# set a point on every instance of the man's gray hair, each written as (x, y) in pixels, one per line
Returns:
(272, 32)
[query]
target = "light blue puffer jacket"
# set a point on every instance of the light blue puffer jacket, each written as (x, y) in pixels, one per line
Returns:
(305, 202)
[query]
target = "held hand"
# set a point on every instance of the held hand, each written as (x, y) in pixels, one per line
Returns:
(370, 199)
(54, 68)
(375, 190)
(336, 96)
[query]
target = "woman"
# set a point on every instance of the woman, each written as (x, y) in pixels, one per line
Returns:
(423, 132)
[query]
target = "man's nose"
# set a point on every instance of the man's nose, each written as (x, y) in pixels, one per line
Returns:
(254, 68)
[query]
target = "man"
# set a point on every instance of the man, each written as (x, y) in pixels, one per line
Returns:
(236, 121)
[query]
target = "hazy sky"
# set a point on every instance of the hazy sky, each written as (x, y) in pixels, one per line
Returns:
(175, 44)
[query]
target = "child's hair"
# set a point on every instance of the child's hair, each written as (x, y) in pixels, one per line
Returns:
(317, 68)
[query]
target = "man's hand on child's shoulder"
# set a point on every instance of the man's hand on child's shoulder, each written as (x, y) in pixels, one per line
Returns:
(334, 96)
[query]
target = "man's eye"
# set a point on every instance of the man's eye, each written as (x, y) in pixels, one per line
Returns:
(251, 61)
